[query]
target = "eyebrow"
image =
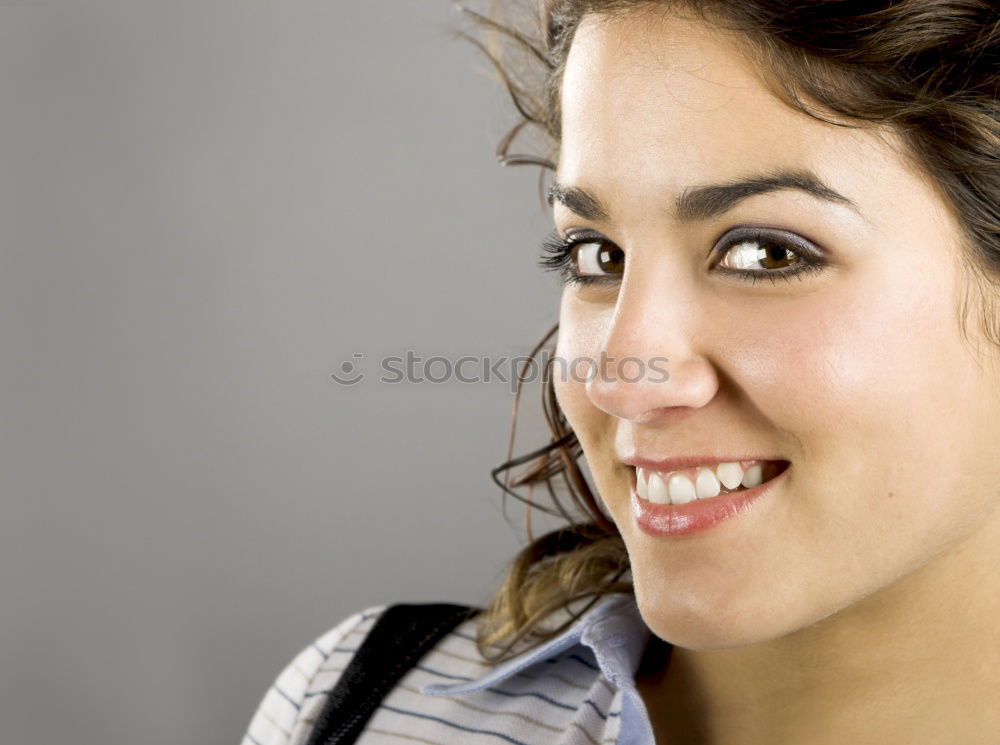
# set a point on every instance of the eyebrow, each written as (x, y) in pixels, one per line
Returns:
(710, 200)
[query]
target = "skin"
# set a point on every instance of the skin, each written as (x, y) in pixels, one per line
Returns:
(858, 601)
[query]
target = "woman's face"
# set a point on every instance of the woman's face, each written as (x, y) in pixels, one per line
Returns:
(855, 372)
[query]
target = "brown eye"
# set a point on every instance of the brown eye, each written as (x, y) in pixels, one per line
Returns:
(749, 254)
(599, 258)
(752, 254)
(757, 252)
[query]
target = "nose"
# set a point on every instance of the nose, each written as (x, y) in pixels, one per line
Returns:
(651, 365)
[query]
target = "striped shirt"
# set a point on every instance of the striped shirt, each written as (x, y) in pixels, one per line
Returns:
(578, 688)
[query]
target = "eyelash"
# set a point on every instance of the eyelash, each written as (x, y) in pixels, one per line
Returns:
(558, 254)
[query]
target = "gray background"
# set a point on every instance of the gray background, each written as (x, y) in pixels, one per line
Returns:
(206, 208)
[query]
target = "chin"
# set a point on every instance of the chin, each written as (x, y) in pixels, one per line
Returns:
(697, 622)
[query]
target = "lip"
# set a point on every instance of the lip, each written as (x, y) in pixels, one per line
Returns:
(699, 515)
(665, 465)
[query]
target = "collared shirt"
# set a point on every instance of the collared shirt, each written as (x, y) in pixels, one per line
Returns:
(578, 688)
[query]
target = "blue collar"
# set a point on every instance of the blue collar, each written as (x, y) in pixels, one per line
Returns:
(612, 628)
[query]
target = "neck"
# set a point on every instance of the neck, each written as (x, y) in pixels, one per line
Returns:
(917, 661)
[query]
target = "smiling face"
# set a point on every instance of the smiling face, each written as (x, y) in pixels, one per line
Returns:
(854, 371)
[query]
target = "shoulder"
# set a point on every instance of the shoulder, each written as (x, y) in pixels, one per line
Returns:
(547, 691)
(287, 711)
(553, 692)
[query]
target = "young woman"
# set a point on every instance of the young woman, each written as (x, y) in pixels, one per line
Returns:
(778, 229)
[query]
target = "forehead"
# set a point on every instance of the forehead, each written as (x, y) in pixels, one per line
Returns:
(652, 101)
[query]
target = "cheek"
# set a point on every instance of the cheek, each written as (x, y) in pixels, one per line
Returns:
(872, 381)
(569, 372)
(581, 333)
(578, 342)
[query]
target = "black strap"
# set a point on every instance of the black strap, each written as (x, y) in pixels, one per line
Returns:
(401, 636)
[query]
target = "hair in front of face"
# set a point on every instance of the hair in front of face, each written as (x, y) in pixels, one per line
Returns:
(927, 70)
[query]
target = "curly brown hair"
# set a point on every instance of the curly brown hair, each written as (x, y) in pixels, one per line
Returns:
(927, 70)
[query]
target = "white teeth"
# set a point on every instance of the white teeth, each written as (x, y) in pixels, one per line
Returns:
(753, 477)
(681, 489)
(677, 488)
(640, 483)
(730, 474)
(658, 490)
(707, 484)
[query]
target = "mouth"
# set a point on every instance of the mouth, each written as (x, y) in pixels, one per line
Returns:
(692, 500)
